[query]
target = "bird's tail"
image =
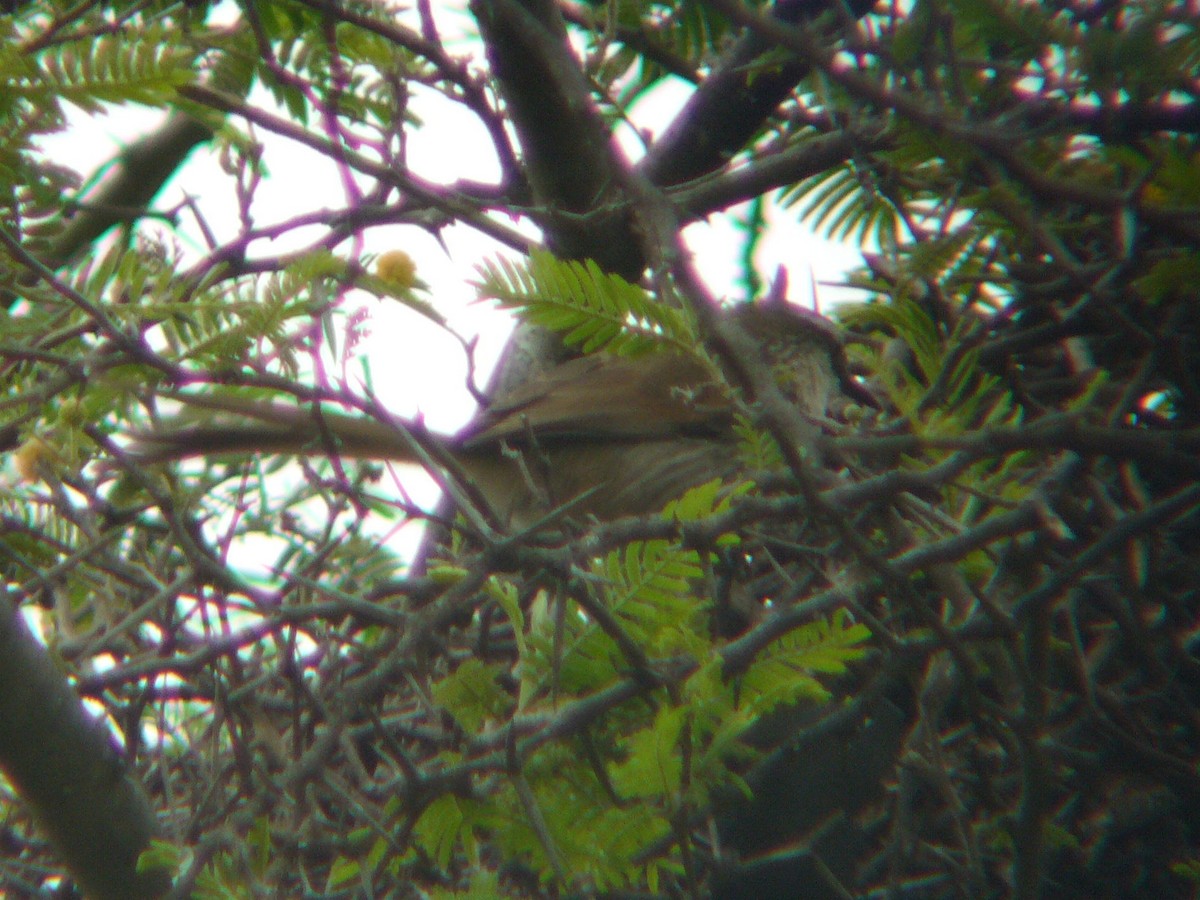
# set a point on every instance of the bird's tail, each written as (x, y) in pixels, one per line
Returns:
(230, 426)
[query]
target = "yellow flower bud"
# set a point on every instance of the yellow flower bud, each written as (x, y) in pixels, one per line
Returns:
(397, 268)
(31, 456)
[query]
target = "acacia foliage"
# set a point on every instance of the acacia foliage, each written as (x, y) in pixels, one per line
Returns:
(946, 648)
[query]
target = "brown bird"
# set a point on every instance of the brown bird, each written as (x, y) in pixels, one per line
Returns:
(605, 435)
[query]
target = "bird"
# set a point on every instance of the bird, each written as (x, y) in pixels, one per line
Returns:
(600, 436)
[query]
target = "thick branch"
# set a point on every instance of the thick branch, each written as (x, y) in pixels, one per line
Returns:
(569, 159)
(138, 174)
(64, 765)
(732, 104)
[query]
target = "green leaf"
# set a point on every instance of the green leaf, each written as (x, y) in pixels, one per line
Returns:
(342, 871)
(785, 672)
(841, 205)
(472, 694)
(655, 760)
(162, 855)
(143, 65)
(592, 309)
(445, 823)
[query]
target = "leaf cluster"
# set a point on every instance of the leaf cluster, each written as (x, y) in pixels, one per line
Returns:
(595, 813)
(591, 309)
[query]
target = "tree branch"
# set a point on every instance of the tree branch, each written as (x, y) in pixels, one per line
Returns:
(569, 157)
(732, 104)
(65, 765)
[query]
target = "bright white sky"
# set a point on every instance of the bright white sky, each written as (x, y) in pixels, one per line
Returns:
(417, 368)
